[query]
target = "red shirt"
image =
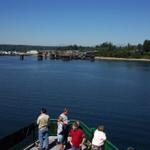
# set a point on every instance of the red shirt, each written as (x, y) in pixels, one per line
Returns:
(77, 137)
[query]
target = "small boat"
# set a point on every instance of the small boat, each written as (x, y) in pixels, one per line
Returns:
(26, 138)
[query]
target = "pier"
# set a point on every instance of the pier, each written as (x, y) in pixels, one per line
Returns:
(66, 55)
(53, 54)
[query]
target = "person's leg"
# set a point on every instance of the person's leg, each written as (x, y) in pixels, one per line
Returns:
(46, 141)
(40, 136)
(62, 146)
(60, 141)
(102, 147)
(65, 136)
(95, 147)
(75, 148)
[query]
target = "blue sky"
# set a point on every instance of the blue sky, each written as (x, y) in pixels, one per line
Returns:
(82, 22)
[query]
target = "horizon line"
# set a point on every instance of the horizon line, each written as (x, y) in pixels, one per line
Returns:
(65, 45)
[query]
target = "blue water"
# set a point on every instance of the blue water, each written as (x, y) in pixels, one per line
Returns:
(113, 93)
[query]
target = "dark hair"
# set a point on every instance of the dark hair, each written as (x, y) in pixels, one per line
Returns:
(100, 128)
(43, 110)
(66, 109)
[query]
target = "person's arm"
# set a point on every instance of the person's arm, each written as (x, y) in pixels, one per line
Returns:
(65, 120)
(83, 138)
(38, 120)
(70, 138)
(48, 123)
(104, 137)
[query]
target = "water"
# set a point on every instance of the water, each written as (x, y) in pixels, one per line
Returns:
(112, 93)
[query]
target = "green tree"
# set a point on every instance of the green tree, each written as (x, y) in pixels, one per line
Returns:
(146, 46)
(140, 47)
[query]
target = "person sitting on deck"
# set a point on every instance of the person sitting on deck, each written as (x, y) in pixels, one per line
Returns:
(76, 137)
(64, 117)
(60, 132)
(42, 122)
(98, 139)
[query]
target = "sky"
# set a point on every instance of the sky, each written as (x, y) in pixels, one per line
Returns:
(81, 22)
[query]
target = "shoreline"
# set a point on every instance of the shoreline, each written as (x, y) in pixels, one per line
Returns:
(122, 59)
(103, 58)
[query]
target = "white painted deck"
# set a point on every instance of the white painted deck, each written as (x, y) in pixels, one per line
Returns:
(52, 145)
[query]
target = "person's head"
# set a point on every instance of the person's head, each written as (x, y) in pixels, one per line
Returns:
(78, 122)
(75, 126)
(66, 110)
(59, 119)
(101, 128)
(43, 110)
(130, 148)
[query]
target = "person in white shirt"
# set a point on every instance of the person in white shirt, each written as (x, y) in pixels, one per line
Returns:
(60, 132)
(42, 122)
(65, 120)
(99, 138)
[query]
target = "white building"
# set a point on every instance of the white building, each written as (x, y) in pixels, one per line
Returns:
(32, 52)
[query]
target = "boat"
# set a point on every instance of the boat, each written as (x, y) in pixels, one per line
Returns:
(26, 138)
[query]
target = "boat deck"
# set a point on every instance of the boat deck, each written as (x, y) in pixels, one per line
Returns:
(52, 145)
(22, 139)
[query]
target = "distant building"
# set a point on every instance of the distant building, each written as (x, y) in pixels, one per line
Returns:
(32, 52)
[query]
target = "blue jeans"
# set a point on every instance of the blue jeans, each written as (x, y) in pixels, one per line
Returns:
(75, 148)
(43, 138)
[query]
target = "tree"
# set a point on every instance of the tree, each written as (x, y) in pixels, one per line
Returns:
(146, 46)
(140, 47)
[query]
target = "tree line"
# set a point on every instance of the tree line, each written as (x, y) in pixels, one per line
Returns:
(106, 49)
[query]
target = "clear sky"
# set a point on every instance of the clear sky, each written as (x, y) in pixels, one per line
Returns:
(82, 22)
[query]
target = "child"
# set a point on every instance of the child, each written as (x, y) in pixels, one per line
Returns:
(60, 135)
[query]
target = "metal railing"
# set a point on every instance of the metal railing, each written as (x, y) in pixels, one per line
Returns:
(28, 135)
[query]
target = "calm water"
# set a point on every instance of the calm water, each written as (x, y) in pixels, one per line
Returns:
(116, 94)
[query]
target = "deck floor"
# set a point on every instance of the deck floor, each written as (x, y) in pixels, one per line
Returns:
(52, 145)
